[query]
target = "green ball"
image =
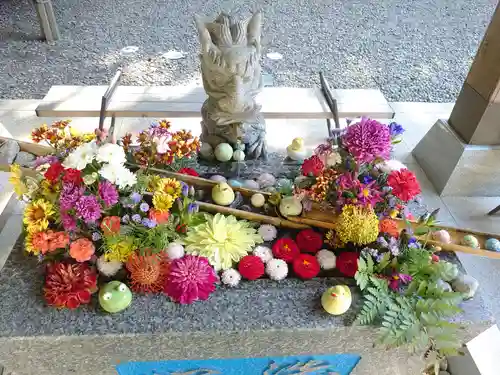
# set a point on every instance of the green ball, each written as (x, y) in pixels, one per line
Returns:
(115, 296)
(223, 152)
(471, 241)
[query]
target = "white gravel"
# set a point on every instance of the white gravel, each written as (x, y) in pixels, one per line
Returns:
(412, 50)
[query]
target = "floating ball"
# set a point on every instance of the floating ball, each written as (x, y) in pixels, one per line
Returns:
(276, 269)
(441, 236)
(223, 152)
(471, 241)
(235, 183)
(258, 200)
(492, 244)
(231, 277)
(337, 300)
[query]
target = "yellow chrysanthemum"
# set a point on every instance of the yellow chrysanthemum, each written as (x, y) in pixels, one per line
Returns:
(170, 186)
(28, 244)
(357, 225)
(50, 191)
(162, 201)
(37, 215)
(153, 183)
(118, 248)
(16, 180)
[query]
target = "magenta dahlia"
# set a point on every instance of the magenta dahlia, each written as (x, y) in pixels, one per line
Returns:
(191, 278)
(70, 194)
(368, 140)
(88, 208)
(108, 193)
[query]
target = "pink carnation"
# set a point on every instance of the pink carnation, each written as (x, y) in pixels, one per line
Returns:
(368, 140)
(191, 278)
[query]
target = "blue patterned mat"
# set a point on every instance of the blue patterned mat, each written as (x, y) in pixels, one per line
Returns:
(336, 364)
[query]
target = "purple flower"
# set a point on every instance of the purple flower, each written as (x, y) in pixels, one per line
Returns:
(192, 208)
(70, 194)
(155, 130)
(136, 218)
(88, 208)
(367, 140)
(49, 159)
(382, 242)
(185, 189)
(108, 193)
(379, 258)
(395, 129)
(405, 279)
(68, 222)
(144, 207)
(394, 246)
(40, 258)
(135, 197)
(148, 223)
(368, 179)
(370, 251)
(125, 219)
(96, 236)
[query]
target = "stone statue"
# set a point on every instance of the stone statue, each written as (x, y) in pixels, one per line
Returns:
(230, 54)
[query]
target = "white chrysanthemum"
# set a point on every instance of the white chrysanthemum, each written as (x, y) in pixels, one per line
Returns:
(109, 172)
(124, 177)
(231, 277)
(264, 253)
(111, 153)
(108, 268)
(277, 269)
(81, 156)
(333, 159)
(390, 165)
(175, 251)
(326, 259)
(268, 232)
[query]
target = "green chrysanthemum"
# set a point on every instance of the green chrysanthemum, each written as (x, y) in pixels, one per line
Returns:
(224, 240)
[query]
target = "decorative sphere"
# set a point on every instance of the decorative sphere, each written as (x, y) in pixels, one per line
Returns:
(266, 180)
(277, 269)
(115, 296)
(235, 183)
(231, 277)
(268, 232)
(223, 152)
(251, 184)
(258, 200)
(492, 244)
(239, 155)
(471, 241)
(326, 259)
(207, 152)
(223, 194)
(337, 299)
(218, 178)
(290, 206)
(264, 253)
(441, 236)
(175, 251)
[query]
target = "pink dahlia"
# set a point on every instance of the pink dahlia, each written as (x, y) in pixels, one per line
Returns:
(191, 278)
(368, 140)
(70, 194)
(108, 193)
(88, 208)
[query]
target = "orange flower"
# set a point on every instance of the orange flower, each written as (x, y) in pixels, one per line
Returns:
(161, 217)
(110, 225)
(389, 227)
(81, 250)
(58, 240)
(40, 242)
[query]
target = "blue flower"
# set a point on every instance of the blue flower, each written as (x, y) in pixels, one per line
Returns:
(367, 179)
(148, 223)
(192, 208)
(125, 219)
(135, 197)
(185, 189)
(382, 242)
(136, 218)
(395, 129)
(144, 207)
(96, 236)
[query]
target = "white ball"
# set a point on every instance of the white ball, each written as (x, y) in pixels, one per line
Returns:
(268, 232)
(239, 155)
(251, 184)
(277, 269)
(264, 253)
(326, 259)
(231, 277)
(108, 268)
(175, 251)
(258, 200)
(266, 180)
(223, 152)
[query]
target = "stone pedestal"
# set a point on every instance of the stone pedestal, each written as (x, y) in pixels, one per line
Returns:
(455, 167)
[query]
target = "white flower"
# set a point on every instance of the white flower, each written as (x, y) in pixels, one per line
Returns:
(277, 269)
(267, 232)
(333, 159)
(326, 259)
(390, 165)
(109, 172)
(161, 144)
(264, 253)
(175, 251)
(81, 156)
(111, 153)
(108, 268)
(231, 277)
(125, 178)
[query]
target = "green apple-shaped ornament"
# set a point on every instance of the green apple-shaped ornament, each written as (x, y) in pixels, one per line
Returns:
(223, 152)
(337, 299)
(223, 194)
(115, 296)
(290, 206)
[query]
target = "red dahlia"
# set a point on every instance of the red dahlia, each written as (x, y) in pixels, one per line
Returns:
(309, 241)
(404, 184)
(347, 263)
(54, 171)
(306, 266)
(251, 267)
(312, 166)
(73, 176)
(69, 285)
(188, 171)
(286, 249)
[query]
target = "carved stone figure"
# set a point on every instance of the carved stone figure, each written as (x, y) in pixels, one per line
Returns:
(230, 54)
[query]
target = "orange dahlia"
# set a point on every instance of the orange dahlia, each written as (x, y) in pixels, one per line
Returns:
(390, 227)
(147, 272)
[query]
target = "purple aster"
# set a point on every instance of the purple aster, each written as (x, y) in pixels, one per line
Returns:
(136, 218)
(68, 222)
(395, 129)
(88, 208)
(49, 159)
(394, 246)
(148, 223)
(382, 242)
(368, 140)
(96, 236)
(70, 194)
(144, 207)
(135, 197)
(125, 219)
(108, 193)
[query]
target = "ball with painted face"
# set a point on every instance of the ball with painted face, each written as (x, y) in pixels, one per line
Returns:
(114, 297)
(337, 299)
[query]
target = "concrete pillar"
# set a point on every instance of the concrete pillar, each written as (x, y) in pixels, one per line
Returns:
(461, 155)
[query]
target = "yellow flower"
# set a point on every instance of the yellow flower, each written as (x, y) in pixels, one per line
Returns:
(88, 137)
(37, 215)
(16, 180)
(153, 183)
(50, 191)
(170, 186)
(162, 201)
(357, 225)
(28, 244)
(118, 248)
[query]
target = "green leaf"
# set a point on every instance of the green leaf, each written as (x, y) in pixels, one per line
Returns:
(384, 262)
(370, 264)
(421, 231)
(361, 264)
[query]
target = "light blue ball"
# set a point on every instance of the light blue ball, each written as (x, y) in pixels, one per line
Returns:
(492, 244)
(235, 183)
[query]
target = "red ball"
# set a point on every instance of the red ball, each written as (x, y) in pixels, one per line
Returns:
(286, 249)
(347, 263)
(251, 267)
(309, 241)
(306, 266)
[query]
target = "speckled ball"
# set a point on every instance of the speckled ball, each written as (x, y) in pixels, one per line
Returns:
(264, 253)
(471, 241)
(441, 236)
(268, 232)
(276, 269)
(326, 259)
(175, 251)
(231, 277)
(492, 244)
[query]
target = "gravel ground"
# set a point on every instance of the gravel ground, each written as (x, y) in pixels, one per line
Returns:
(411, 50)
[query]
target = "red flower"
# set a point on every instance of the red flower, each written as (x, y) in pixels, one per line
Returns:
(309, 241)
(69, 285)
(251, 267)
(286, 249)
(73, 175)
(404, 184)
(181, 228)
(389, 227)
(435, 258)
(312, 166)
(161, 217)
(306, 266)
(188, 171)
(110, 225)
(347, 263)
(54, 171)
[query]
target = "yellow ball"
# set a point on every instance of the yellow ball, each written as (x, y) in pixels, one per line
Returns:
(337, 299)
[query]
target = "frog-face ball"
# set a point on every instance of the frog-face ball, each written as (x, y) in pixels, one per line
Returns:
(115, 296)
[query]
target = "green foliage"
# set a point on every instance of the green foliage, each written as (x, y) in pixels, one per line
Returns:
(151, 239)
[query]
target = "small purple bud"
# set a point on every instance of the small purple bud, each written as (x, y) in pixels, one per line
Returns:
(192, 208)
(185, 189)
